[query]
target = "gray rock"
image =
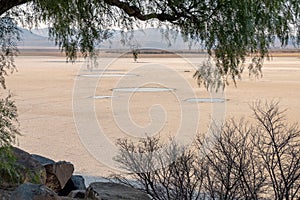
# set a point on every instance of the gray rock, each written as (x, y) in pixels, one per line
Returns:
(43, 160)
(5, 194)
(29, 191)
(76, 182)
(28, 168)
(58, 174)
(113, 191)
(80, 194)
(32, 170)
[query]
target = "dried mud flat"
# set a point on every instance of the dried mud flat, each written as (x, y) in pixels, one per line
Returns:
(43, 89)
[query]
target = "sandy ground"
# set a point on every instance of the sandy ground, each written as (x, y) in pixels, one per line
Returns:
(53, 101)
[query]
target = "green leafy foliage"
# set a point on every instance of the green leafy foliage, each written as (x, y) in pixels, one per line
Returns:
(9, 170)
(8, 132)
(76, 26)
(9, 35)
(208, 75)
(8, 121)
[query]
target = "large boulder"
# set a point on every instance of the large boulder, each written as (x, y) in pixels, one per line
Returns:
(113, 191)
(76, 182)
(28, 168)
(29, 191)
(58, 174)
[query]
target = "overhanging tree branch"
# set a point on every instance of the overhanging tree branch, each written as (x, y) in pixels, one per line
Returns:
(6, 5)
(134, 11)
(228, 30)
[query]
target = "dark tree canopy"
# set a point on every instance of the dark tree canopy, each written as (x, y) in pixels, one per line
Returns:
(229, 30)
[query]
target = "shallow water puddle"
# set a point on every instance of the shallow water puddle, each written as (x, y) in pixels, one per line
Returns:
(143, 89)
(206, 100)
(101, 97)
(106, 75)
(104, 70)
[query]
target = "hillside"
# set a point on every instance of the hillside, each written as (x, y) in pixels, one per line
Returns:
(147, 38)
(31, 40)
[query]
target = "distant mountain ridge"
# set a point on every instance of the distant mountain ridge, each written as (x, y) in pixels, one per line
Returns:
(147, 38)
(31, 40)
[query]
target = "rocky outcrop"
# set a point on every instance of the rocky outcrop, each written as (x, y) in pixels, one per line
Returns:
(59, 175)
(29, 191)
(96, 191)
(29, 169)
(56, 182)
(113, 191)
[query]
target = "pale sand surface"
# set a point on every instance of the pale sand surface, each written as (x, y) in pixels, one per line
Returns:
(43, 89)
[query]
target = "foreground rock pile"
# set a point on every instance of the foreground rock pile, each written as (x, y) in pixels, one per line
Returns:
(45, 179)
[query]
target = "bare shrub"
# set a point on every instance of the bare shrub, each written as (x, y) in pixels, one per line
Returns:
(163, 171)
(278, 147)
(238, 161)
(232, 170)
